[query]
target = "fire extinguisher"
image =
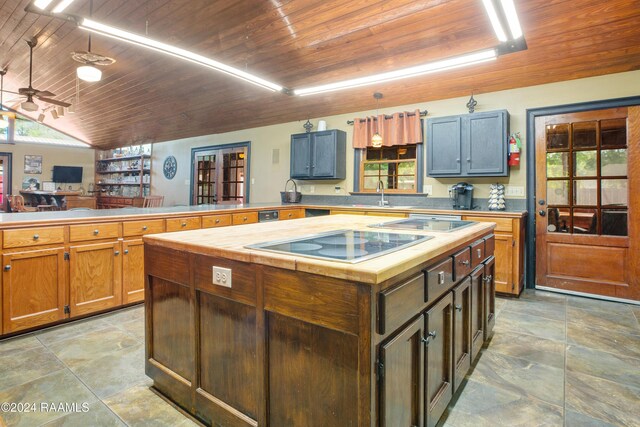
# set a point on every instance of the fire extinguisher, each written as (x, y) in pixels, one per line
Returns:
(514, 149)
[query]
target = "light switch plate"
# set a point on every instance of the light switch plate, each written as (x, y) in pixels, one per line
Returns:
(222, 276)
(514, 190)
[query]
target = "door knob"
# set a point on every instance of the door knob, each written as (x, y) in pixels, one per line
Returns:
(541, 212)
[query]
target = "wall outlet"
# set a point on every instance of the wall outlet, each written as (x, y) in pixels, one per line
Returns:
(222, 276)
(253, 181)
(428, 190)
(514, 190)
(312, 189)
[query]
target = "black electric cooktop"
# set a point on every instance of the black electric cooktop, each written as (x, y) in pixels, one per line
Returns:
(350, 246)
(424, 224)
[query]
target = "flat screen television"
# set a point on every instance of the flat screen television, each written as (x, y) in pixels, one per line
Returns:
(67, 174)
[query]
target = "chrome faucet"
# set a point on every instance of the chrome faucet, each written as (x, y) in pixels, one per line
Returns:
(380, 189)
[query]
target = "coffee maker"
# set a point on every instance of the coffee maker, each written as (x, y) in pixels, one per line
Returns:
(461, 195)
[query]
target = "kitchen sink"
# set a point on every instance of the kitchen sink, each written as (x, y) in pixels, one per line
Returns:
(382, 207)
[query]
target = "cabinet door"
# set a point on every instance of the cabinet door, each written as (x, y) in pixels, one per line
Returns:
(477, 311)
(401, 378)
(461, 332)
(95, 277)
(485, 143)
(489, 296)
(443, 146)
(33, 288)
(438, 359)
(132, 271)
(323, 154)
(300, 156)
(504, 277)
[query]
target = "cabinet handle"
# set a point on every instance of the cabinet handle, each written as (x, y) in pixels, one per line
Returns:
(184, 224)
(244, 218)
(7, 267)
(459, 307)
(116, 253)
(126, 251)
(465, 262)
(96, 232)
(144, 228)
(36, 237)
(479, 253)
(217, 221)
(457, 160)
(427, 339)
(441, 278)
(307, 166)
(488, 278)
(290, 215)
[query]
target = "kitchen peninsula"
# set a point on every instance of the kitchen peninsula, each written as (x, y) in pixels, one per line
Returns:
(241, 336)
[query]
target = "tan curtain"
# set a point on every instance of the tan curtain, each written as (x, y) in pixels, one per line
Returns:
(395, 130)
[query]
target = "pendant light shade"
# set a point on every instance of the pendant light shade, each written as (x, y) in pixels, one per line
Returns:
(29, 105)
(89, 73)
(376, 139)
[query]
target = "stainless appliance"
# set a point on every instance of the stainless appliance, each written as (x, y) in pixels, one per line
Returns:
(461, 195)
(350, 246)
(266, 216)
(426, 223)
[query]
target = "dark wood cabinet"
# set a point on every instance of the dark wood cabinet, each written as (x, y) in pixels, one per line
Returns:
(461, 332)
(468, 145)
(438, 358)
(489, 284)
(319, 155)
(477, 311)
(401, 377)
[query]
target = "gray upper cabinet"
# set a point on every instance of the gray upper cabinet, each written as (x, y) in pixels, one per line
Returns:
(468, 145)
(319, 155)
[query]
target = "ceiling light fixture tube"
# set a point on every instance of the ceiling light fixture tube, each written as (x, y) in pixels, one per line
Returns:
(495, 21)
(62, 6)
(96, 27)
(42, 4)
(512, 18)
(431, 67)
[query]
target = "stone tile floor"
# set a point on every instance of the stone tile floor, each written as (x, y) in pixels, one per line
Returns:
(554, 360)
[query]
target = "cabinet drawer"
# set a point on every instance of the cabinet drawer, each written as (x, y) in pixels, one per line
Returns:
(291, 214)
(245, 218)
(477, 253)
(400, 303)
(439, 280)
(33, 237)
(346, 212)
(139, 228)
(502, 224)
(489, 245)
(181, 224)
(210, 221)
(78, 233)
(461, 264)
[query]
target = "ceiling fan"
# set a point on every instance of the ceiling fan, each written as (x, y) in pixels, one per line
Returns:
(30, 92)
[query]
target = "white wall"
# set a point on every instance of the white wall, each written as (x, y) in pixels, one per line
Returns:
(270, 178)
(51, 155)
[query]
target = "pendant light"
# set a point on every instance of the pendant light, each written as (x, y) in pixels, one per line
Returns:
(4, 123)
(89, 72)
(376, 139)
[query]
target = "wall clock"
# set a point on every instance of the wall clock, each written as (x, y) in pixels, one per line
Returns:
(170, 167)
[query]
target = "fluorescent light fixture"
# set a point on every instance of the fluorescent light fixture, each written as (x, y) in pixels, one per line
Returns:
(512, 18)
(62, 6)
(89, 73)
(431, 67)
(42, 4)
(96, 27)
(495, 21)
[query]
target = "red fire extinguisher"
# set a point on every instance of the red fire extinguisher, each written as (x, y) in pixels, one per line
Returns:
(514, 149)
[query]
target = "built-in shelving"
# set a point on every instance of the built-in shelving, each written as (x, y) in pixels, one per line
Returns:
(122, 175)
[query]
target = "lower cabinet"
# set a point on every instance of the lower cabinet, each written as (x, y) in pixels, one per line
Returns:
(95, 277)
(132, 271)
(489, 284)
(439, 345)
(24, 305)
(462, 303)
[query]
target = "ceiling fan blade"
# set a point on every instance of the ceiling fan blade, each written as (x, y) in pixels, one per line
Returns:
(44, 93)
(54, 101)
(24, 90)
(10, 91)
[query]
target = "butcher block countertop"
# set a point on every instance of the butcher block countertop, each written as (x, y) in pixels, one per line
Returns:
(230, 243)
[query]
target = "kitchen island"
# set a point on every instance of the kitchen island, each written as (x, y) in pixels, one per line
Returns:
(282, 339)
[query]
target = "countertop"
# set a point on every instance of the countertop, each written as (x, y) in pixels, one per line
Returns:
(56, 217)
(220, 242)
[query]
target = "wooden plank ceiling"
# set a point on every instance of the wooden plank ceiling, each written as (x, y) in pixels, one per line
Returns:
(149, 96)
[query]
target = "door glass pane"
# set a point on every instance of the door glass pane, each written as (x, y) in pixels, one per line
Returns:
(614, 222)
(614, 192)
(558, 136)
(585, 192)
(584, 135)
(584, 163)
(557, 165)
(558, 192)
(613, 133)
(558, 220)
(585, 221)
(613, 162)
